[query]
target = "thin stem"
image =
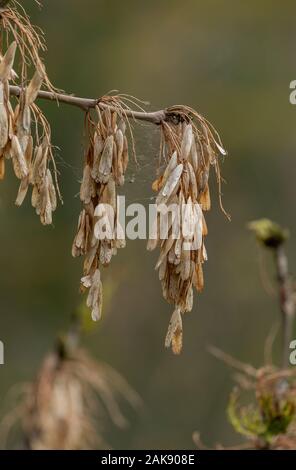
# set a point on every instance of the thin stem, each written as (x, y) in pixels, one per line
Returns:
(287, 301)
(89, 103)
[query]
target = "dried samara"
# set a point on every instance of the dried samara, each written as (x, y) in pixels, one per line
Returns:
(189, 147)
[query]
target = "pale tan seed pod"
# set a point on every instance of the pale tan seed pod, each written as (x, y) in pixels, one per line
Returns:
(105, 252)
(178, 248)
(96, 313)
(205, 199)
(106, 161)
(153, 242)
(109, 194)
(19, 162)
(24, 185)
(98, 148)
(192, 182)
(185, 181)
(186, 142)
(79, 241)
(172, 183)
(122, 126)
(44, 209)
(91, 258)
(40, 163)
(170, 168)
(22, 192)
(34, 87)
(198, 279)
(174, 334)
(7, 62)
(22, 118)
(114, 121)
(35, 199)
(167, 245)
(185, 262)
(107, 117)
(52, 191)
(119, 139)
(194, 157)
(189, 300)
(4, 121)
(95, 295)
(202, 179)
(2, 167)
(29, 151)
(162, 270)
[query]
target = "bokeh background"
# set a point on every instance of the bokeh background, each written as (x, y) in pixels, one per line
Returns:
(232, 61)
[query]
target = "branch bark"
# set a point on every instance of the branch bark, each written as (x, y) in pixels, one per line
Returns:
(89, 103)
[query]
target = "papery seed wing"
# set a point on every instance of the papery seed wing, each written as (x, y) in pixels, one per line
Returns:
(170, 168)
(194, 156)
(205, 199)
(29, 151)
(185, 262)
(174, 334)
(164, 250)
(87, 188)
(52, 191)
(162, 270)
(98, 148)
(90, 258)
(193, 184)
(38, 157)
(4, 121)
(105, 253)
(19, 162)
(119, 138)
(35, 197)
(125, 156)
(22, 192)
(46, 208)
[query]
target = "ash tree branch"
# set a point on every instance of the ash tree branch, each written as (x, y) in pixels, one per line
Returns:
(89, 103)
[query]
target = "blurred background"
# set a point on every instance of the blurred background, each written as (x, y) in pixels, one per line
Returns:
(233, 62)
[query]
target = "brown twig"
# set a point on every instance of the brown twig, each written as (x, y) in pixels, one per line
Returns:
(89, 103)
(287, 301)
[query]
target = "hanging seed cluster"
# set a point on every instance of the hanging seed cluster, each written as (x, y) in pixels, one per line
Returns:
(104, 170)
(30, 161)
(189, 151)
